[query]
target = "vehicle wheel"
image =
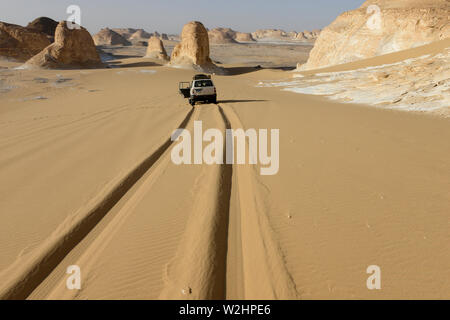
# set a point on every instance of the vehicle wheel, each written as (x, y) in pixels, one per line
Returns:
(191, 102)
(214, 100)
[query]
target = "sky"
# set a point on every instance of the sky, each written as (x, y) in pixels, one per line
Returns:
(169, 16)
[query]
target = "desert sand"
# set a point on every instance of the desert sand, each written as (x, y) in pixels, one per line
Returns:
(87, 180)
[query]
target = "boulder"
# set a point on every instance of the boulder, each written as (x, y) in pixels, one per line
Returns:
(73, 48)
(155, 49)
(109, 37)
(21, 43)
(359, 34)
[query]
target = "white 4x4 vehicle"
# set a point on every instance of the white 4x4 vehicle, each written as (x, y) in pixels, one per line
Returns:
(201, 88)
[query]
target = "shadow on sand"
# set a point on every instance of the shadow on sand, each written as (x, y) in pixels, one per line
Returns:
(118, 64)
(239, 101)
(234, 71)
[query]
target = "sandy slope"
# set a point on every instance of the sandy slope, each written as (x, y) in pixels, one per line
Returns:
(89, 181)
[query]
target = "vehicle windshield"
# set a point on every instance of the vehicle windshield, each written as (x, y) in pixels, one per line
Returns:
(203, 83)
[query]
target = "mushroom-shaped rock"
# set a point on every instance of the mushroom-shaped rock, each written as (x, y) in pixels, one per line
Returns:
(194, 46)
(73, 48)
(156, 50)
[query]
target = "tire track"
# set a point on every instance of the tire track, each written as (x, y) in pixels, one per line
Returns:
(23, 276)
(265, 275)
(201, 266)
(198, 269)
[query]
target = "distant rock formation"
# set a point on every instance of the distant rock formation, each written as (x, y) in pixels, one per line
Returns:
(44, 25)
(359, 34)
(125, 32)
(193, 50)
(292, 34)
(308, 35)
(174, 37)
(21, 43)
(140, 35)
(244, 37)
(137, 36)
(222, 36)
(156, 50)
(281, 35)
(73, 48)
(109, 37)
(269, 34)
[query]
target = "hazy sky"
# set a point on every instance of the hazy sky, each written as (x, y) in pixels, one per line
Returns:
(170, 15)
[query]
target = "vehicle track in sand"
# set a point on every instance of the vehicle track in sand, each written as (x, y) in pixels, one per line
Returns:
(21, 278)
(226, 250)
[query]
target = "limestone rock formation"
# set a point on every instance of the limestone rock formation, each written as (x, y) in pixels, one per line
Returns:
(156, 49)
(244, 37)
(21, 43)
(269, 34)
(308, 35)
(292, 35)
(110, 38)
(44, 25)
(363, 33)
(125, 32)
(221, 36)
(73, 48)
(193, 50)
(140, 35)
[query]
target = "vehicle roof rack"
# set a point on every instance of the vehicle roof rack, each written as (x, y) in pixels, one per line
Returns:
(201, 76)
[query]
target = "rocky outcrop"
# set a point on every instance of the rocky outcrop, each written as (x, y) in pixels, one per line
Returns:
(362, 33)
(193, 50)
(281, 35)
(269, 34)
(44, 25)
(125, 32)
(21, 43)
(140, 35)
(164, 36)
(73, 48)
(109, 37)
(221, 36)
(308, 35)
(156, 50)
(244, 37)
